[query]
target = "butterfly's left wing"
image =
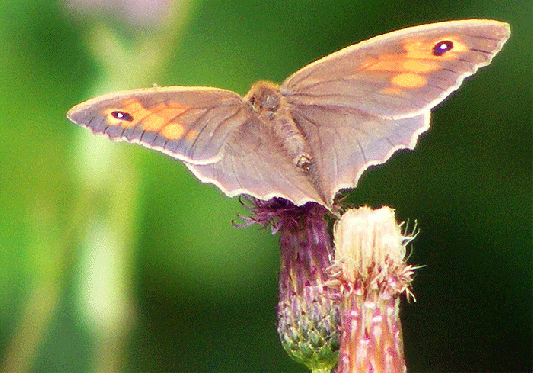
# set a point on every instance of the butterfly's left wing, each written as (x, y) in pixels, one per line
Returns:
(192, 124)
(399, 74)
(359, 105)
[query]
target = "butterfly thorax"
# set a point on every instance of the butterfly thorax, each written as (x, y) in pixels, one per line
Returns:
(274, 111)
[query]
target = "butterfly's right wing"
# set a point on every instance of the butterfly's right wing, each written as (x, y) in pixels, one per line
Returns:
(359, 105)
(192, 124)
(255, 163)
(217, 135)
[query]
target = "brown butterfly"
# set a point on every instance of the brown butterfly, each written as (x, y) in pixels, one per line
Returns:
(320, 129)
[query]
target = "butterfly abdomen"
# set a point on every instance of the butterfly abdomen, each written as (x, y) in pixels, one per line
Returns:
(292, 138)
(265, 98)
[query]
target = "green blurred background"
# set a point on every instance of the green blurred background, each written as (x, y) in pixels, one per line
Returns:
(114, 257)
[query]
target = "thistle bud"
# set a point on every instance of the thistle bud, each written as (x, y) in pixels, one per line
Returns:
(369, 275)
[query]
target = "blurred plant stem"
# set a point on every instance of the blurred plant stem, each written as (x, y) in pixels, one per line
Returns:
(105, 285)
(52, 256)
(103, 219)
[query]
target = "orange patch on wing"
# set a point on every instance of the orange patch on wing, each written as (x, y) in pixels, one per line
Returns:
(421, 48)
(131, 107)
(152, 119)
(420, 67)
(159, 116)
(415, 62)
(401, 63)
(173, 131)
(133, 104)
(418, 56)
(408, 80)
(191, 134)
(418, 48)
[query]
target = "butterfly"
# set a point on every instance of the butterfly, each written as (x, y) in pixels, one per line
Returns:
(318, 131)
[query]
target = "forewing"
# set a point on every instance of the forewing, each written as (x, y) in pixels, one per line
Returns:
(400, 74)
(346, 142)
(254, 163)
(190, 124)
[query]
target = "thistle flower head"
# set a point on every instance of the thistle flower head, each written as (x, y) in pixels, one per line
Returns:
(279, 213)
(308, 318)
(368, 275)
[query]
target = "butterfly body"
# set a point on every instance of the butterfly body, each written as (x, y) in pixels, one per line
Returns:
(274, 111)
(320, 129)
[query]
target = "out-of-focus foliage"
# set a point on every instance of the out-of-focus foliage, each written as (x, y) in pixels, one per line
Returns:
(115, 257)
